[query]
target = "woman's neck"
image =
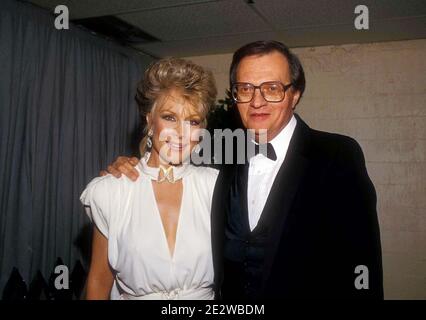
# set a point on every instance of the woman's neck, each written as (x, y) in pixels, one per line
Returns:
(155, 161)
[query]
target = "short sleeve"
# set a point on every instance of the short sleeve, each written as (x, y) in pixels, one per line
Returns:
(212, 175)
(96, 201)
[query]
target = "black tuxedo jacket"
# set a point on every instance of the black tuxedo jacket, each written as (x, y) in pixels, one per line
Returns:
(322, 206)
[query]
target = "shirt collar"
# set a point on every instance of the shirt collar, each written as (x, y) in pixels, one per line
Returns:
(282, 140)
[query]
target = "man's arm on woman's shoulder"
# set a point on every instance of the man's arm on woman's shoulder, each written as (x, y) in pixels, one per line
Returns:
(123, 165)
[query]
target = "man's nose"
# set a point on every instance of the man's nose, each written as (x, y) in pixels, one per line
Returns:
(258, 100)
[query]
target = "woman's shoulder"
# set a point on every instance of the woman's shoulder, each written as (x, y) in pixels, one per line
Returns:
(103, 188)
(205, 177)
(203, 182)
(108, 182)
(101, 201)
(205, 172)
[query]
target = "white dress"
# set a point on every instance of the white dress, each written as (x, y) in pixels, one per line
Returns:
(126, 213)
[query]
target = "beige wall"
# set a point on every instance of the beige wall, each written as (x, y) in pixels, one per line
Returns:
(375, 93)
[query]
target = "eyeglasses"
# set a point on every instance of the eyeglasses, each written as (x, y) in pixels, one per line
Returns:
(272, 91)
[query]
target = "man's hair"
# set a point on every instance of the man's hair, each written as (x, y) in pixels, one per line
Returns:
(265, 47)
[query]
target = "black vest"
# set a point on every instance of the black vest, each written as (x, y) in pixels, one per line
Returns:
(244, 250)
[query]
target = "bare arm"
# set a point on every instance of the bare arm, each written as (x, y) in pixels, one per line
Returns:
(100, 278)
(123, 165)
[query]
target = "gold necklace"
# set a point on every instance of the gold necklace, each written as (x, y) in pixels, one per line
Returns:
(166, 174)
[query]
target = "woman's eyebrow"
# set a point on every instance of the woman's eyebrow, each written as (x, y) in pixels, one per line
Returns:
(193, 116)
(168, 111)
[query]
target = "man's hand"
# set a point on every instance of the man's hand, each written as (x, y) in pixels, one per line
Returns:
(123, 165)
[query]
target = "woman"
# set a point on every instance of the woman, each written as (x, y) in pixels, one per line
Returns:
(152, 237)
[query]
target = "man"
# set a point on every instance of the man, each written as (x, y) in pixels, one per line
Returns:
(302, 222)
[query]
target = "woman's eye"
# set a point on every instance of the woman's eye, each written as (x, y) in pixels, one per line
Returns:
(194, 122)
(168, 118)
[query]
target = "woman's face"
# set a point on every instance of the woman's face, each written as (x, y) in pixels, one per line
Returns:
(176, 126)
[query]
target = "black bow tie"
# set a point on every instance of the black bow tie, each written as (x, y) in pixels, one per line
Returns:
(270, 151)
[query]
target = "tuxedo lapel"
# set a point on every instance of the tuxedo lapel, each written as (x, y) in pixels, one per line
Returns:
(283, 191)
(220, 203)
(242, 171)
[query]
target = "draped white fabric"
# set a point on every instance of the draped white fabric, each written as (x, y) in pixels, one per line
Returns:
(126, 213)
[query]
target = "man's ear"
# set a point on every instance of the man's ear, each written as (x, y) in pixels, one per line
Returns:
(295, 99)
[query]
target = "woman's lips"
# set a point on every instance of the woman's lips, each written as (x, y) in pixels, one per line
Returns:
(176, 146)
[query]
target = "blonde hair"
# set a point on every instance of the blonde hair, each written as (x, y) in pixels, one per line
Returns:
(196, 84)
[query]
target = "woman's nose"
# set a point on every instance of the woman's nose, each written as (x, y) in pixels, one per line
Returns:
(182, 128)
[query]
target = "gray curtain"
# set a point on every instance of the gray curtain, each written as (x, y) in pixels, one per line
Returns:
(67, 109)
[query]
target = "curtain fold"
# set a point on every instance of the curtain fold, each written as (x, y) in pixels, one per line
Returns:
(67, 109)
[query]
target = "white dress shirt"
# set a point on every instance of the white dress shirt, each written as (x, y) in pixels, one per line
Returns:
(126, 213)
(262, 173)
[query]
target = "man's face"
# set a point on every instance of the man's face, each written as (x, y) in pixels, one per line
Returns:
(258, 113)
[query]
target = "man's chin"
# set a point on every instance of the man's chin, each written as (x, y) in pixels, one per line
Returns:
(258, 130)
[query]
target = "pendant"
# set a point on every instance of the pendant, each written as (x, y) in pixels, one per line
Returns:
(166, 174)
